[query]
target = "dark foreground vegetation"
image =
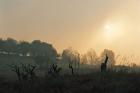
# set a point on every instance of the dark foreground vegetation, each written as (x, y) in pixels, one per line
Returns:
(36, 67)
(110, 82)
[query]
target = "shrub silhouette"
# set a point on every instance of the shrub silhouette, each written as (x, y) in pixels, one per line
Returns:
(54, 70)
(72, 70)
(104, 65)
(17, 70)
(24, 71)
(29, 71)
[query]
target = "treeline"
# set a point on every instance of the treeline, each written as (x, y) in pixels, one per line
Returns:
(72, 56)
(44, 53)
(23, 48)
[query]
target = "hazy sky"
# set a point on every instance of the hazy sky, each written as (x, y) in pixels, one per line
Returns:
(82, 24)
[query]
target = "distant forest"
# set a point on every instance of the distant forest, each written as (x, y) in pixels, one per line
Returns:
(37, 65)
(24, 48)
(43, 52)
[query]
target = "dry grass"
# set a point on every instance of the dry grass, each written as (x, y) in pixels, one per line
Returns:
(111, 82)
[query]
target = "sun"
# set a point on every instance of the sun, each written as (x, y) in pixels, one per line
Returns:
(109, 28)
(111, 31)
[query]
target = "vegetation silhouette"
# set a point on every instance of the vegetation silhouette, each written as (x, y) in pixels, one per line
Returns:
(104, 65)
(24, 71)
(23, 67)
(54, 70)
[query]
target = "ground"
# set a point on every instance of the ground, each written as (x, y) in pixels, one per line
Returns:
(110, 82)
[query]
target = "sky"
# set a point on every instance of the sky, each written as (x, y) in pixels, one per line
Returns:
(81, 24)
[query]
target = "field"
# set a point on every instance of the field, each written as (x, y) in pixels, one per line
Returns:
(95, 82)
(85, 80)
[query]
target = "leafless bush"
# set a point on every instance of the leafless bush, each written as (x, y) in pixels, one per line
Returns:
(24, 71)
(54, 70)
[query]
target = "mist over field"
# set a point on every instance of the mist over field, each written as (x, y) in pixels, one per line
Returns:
(38, 64)
(69, 46)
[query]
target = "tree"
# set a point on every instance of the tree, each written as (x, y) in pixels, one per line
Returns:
(111, 55)
(43, 53)
(71, 56)
(84, 59)
(10, 46)
(36, 48)
(39, 48)
(92, 56)
(1, 45)
(24, 48)
(66, 55)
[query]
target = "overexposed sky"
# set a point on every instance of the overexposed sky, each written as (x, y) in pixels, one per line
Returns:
(82, 24)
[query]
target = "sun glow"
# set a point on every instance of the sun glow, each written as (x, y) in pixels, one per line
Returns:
(108, 27)
(112, 31)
